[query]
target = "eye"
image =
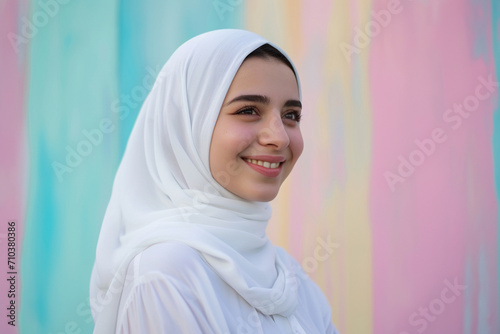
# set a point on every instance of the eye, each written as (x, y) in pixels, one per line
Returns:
(294, 116)
(248, 110)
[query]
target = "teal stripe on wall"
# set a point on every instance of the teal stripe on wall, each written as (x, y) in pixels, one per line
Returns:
(72, 83)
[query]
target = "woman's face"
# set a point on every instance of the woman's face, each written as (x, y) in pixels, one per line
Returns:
(257, 140)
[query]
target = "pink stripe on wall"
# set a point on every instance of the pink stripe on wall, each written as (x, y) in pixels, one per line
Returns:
(432, 197)
(12, 156)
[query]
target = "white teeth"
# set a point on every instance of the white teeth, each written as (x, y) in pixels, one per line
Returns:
(265, 164)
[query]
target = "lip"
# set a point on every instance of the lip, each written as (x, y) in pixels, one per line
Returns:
(269, 158)
(268, 172)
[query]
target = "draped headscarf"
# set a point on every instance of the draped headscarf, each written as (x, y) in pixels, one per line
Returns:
(164, 191)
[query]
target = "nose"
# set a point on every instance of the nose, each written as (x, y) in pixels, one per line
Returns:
(273, 133)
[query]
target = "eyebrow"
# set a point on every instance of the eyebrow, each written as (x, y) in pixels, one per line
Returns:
(264, 100)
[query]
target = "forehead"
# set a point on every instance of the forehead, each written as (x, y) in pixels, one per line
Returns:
(269, 75)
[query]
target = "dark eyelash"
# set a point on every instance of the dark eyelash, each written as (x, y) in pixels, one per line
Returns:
(246, 108)
(297, 114)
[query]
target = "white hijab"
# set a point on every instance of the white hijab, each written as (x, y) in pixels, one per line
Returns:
(164, 191)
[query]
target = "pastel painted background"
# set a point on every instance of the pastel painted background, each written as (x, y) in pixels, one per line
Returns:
(392, 210)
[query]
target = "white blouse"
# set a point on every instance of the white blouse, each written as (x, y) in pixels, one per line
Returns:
(170, 288)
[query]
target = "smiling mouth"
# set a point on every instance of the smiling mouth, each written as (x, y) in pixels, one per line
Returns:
(265, 164)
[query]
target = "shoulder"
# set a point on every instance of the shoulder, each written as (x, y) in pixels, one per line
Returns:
(172, 268)
(172, 292)
(166, 266)
(171, 259)
(172, 288)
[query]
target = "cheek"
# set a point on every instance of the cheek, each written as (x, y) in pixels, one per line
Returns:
(238, 138)
(228, 141)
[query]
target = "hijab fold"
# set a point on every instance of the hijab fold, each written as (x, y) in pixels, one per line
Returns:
(164, 192)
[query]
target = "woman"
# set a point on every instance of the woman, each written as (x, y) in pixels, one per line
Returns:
(183, 247)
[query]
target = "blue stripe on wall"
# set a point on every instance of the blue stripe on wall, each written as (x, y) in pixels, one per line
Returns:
(72, 81)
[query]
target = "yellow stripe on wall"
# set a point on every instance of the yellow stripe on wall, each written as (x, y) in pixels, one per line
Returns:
(326, 196)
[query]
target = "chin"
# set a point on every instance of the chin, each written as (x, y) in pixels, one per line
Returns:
(262, 195)
(265, 198)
